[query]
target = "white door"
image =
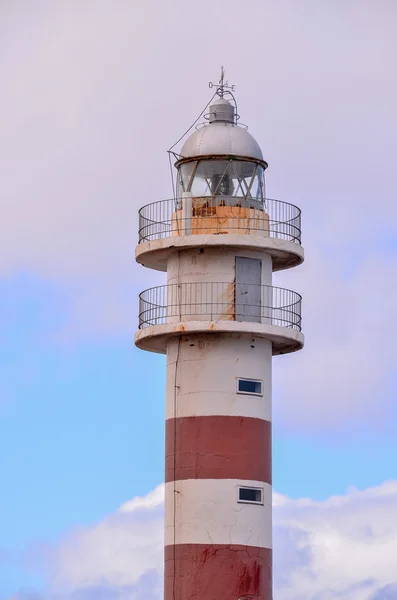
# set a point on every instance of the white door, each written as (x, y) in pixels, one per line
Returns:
(248, 289)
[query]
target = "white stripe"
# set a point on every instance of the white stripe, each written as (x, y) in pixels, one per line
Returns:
(208, 370)
(208, 512)
(204, 404)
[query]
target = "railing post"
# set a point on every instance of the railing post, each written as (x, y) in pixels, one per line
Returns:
(267, 308)
(187, 213)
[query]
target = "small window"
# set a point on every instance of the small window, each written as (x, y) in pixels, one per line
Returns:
(249, 386)
(250, 495)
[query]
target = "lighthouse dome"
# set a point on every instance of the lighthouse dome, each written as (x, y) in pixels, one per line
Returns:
(221, 136)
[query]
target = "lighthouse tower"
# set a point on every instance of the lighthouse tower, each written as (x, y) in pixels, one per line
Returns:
(219, 320)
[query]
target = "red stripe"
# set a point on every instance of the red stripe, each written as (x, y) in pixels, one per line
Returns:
(212, 572)
(218, 447)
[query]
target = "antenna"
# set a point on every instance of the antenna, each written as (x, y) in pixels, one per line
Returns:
(222, 85)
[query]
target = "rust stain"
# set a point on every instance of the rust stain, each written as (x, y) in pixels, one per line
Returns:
(228, 298)
(221, 219)
(249, 584)
(206, 572)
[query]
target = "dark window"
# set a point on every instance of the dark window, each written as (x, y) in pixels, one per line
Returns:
(249, 386)
(250, 495)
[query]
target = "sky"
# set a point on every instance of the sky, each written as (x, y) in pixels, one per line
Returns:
(93, 95)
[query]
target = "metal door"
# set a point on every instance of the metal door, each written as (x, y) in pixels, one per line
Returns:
(248, 289)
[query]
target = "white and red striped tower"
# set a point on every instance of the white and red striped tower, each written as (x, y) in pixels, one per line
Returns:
(219, 320)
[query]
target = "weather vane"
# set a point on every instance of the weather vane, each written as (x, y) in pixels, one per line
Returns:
(222, 85)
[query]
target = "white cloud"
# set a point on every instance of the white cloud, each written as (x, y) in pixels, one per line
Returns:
(343, 377)
(343, 547)
(115, 552)
(152, 501)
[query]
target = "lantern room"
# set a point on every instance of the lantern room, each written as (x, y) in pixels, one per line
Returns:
(221, 162)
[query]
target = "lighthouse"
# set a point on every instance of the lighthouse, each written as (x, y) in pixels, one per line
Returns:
(219, 321)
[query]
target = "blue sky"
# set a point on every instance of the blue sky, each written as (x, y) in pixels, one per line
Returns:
(94, 97)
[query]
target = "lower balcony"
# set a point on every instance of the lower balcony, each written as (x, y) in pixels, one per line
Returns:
(205, 307)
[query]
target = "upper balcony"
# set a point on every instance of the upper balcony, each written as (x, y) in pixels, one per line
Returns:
(231, 221)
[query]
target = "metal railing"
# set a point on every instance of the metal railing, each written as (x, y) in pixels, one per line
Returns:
(216, 301)
(165, 218)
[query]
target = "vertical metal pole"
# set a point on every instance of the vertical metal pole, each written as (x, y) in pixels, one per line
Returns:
(187, 213)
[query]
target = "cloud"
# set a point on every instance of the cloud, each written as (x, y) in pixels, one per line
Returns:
(147, 589)
(343, 547)
(117, 552)
(343, 378)
(86, 129)
(387, 593)
(340, 548)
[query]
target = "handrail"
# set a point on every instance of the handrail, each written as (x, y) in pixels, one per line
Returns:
(276, 219)
(220, 301)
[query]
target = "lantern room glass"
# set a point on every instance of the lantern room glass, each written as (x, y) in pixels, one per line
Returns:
(227, 181)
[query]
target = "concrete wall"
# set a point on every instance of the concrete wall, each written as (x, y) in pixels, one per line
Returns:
(217, 440)
(206, 379)
(214, 264)
(207, 512)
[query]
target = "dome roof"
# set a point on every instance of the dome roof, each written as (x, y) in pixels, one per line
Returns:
(221, 137)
